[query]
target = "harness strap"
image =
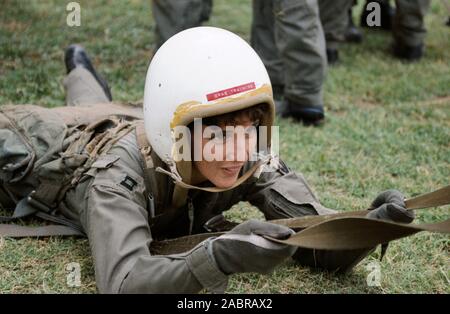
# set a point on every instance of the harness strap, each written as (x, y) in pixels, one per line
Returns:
(43, 201)
(433, 199)
(351, 233)
(340, 231)
(436, 198)
(21, 211)
(16, 231)
(147, 165)
(346, 233)
(49, 193)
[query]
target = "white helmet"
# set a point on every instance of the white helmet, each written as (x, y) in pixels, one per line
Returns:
(198, 73)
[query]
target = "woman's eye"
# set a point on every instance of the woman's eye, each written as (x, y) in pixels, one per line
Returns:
(217, 137)
(251, 133)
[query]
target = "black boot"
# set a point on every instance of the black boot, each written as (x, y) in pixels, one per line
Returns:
(309, 115)
(387, 14)
(407, 53)
(76, 56)
(278, 91)
(352, 33)
(332, 56)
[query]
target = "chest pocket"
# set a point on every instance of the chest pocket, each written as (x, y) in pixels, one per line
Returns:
(108, 170)
(102, 162)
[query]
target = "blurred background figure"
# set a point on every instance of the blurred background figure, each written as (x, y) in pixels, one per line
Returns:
(334, 17)
(406, 22)
(289, 38)
(447, 5)
(173, 16)
(296, 39)
(352, 32)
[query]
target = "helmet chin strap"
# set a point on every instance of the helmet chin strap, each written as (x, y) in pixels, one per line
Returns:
(178, 180)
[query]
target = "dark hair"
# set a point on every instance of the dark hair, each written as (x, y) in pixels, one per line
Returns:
(254, 113)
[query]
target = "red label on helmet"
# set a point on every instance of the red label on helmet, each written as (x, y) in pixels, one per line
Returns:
(231, 91)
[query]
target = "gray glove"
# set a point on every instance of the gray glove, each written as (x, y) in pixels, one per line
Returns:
(243, 249)
(390, 205)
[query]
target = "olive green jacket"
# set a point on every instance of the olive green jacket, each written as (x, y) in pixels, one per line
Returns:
(112, 206)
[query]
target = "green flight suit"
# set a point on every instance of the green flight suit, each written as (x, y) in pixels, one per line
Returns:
(334, 19)
(408, 24)
(173, 16)
(288, 36)
(121, 215)
(408, 21)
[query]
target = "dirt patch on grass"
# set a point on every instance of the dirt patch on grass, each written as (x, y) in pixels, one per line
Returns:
(368, 104)
(14, 26)
(440, 101)
(371, 104)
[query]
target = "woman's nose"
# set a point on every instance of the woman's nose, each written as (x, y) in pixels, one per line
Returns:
(237, 150)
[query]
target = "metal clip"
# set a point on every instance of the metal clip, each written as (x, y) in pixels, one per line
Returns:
(151, 200)
(37, 204)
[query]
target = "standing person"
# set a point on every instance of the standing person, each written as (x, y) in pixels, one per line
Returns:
(173, 16)
(334, 19)
(352, 32)
(407, 24)
(289, 38)
(409, 29)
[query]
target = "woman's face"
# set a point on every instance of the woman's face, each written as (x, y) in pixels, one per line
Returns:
(230, 152)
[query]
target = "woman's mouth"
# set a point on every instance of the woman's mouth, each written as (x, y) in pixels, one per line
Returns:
(232, 171)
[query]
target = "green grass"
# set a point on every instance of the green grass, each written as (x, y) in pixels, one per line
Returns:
(388, 126)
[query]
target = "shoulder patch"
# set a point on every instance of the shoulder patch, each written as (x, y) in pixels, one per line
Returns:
(129, 183)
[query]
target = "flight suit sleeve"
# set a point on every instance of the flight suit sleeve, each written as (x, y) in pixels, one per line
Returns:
(284, 194)
(116, 222)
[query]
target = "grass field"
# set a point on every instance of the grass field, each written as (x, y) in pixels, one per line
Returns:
(388, 126)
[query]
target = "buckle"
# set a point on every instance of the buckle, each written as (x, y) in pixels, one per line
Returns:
(211, 224)
(37, 204)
